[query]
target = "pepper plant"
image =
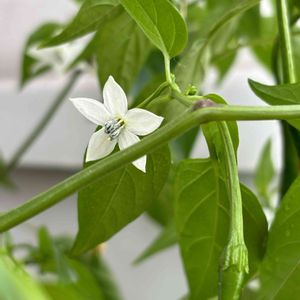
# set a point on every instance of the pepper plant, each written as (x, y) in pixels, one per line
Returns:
(158, 52)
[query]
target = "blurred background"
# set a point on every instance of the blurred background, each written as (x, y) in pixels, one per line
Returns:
(59, 150)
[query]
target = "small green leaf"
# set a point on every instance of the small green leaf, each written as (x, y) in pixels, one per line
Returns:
(161, 22)
(282, 94)
(41, 34)
(202, 221)
(88, 19)
(121, 49)
(166, 239)
(280, 271)
(265, 173)
(108, 205)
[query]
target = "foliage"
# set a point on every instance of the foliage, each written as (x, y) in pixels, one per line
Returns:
(160, 53)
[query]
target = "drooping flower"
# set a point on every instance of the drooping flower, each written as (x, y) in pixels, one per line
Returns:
(119, 125)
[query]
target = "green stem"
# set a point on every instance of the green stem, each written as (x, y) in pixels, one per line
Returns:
(154, 95)
(168, 69)
(163, 135)
(290, 166)
(42, 124)
(235, 265)
(288, 67)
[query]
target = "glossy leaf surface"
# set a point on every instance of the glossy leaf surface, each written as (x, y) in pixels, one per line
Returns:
(202, 219)
(161, 22)
(109, 204)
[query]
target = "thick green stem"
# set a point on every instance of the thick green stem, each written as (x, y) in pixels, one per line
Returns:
(290, 165)
(163, 135)
(235, 264)
(42, 124)
(288, 66)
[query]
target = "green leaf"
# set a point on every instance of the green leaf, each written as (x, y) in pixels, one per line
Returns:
(282, 94)
(202, 221)
(162, 206)
(122, 49)
(161, 22)
(15, 283)
(166, 239)
(29, 68)
(109, 204)
(88, 19)
(280, 271)
(265, 172)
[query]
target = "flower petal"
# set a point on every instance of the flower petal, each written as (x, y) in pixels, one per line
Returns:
(115, 99)
(126, 139)
(92, 109)
(142, 122)
(99, 146)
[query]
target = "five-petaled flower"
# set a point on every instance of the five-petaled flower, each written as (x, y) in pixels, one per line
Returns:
(119, 125)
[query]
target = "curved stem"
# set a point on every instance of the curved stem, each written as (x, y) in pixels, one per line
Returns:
(42, 124)
(235, 265)
(163, 135)
(154, 95)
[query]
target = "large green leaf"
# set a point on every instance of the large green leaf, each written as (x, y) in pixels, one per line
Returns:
(29, 68)
(161, 22)
(202, 220)
(88, 19)
(122, 49)
(280, 270)
(282, 94)
(109, 204)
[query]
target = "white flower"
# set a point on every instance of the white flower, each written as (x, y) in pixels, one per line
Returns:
(59, 57)
(119, 125)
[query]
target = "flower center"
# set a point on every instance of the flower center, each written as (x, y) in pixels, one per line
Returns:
(113, 128)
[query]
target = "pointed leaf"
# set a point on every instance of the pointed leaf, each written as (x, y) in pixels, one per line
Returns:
(282, 94)
(88, 19)
(166, 239)
(108, 205)
(161, 22)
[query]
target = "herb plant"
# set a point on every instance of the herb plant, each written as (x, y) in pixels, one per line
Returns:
(158, 52)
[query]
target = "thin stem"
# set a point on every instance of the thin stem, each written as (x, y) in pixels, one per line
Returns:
(235, 264)
(168, 69)
(163, 135)
(42, 124)
(288, 67)
(236, 223)
(154, 95)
